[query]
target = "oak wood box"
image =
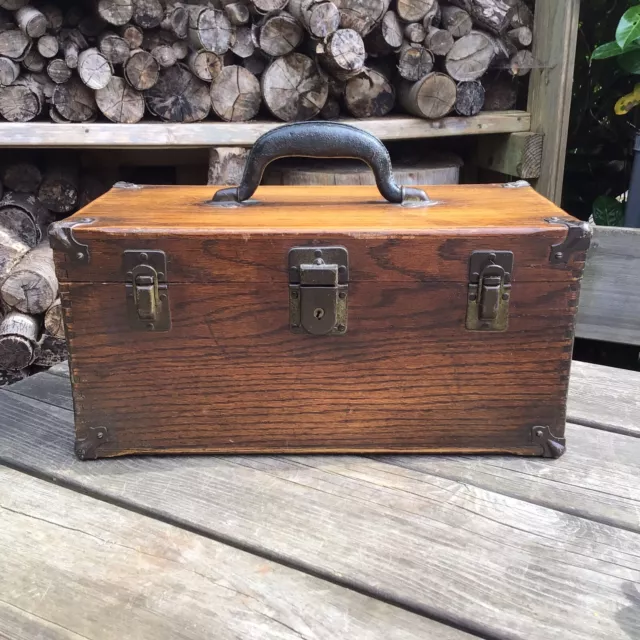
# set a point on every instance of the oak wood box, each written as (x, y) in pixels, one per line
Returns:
(321, 319)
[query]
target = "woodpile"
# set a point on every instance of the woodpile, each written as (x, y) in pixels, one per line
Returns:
(122, 60)
(31, 327)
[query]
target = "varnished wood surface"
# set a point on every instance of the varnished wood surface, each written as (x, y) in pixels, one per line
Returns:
(386, 242)
(505, 547)
(298, 209)
(231, 376)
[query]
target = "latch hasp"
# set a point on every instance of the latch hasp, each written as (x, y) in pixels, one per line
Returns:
(489, 290)
(147, 290)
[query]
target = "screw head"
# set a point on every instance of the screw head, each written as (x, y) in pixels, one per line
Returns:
(559, 255)
(341, 327)
(163, 296)
(144, 257)
(294, 294)
(539, 433)
(295, 325)
(505, 296)
(318, 253)
(129, 274)
(80, 255)
(150, 325)
(100, 435)
(342, 295)
(160, 275)
(473, 297)
(342, 269)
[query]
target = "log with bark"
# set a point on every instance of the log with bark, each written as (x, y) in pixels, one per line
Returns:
(24, 177)
(53, 320)
(493, 15)
(369, 94)
(50, 350)
(58, 190)
(179, 96)
(122, 60)
(22, 215)
(11, 251)
(18, 341)
(434, 96)
(235, 94)
(293, 88)
(31, 286)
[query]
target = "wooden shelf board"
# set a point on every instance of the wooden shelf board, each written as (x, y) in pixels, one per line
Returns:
(212, 134)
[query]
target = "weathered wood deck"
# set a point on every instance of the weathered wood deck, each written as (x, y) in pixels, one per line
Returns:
(321, 547)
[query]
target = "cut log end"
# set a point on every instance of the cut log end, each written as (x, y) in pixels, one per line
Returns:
(235, 94)
(293, 89)
(18, 340)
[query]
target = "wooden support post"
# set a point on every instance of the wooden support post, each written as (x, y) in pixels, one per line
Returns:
(517, 154)
(554, 48)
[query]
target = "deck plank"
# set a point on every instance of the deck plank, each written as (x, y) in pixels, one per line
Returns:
(73, 567)
(50, 388)
(596, 479)
(604, 398)
(498, 566)
(60, 369)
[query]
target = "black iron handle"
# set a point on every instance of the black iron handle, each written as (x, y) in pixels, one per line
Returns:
(320, 140)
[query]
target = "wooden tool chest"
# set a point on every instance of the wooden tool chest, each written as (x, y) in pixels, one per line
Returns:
(320, 319)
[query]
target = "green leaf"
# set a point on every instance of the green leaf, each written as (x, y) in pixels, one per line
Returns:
(630, 61)
(608, 212)
(628, 28)
(604, 51)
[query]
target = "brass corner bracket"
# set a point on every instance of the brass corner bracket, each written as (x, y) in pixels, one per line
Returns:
(87, 448)
(61, 238)
(552, 446)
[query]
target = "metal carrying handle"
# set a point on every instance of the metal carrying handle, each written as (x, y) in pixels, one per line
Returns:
(320, 140)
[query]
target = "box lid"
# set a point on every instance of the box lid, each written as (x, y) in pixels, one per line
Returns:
(250, 242)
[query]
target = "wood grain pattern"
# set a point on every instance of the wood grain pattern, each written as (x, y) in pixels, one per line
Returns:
(231, 376)
(550, 89)
(610, 303)
(49, 388)
(407, 376)
(605, 398)
(500, 567)
(596, 479)
(59, 548)
(212, 134)
(386, 242)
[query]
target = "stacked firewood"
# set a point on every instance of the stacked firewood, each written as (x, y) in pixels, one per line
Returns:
(31, 327)
(299, 59)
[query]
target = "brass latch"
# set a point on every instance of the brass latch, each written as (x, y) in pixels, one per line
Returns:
(489, 290)
(147, 290)
(318, 290)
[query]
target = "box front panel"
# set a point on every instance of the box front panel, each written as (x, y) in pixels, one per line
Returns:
(231, 376)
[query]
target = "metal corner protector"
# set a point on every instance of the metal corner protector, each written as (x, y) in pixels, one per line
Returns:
(62, 238)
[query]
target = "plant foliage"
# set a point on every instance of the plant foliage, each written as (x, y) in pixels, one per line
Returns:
(600, 151)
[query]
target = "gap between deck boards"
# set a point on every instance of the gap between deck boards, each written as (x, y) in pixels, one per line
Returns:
(140, 566)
